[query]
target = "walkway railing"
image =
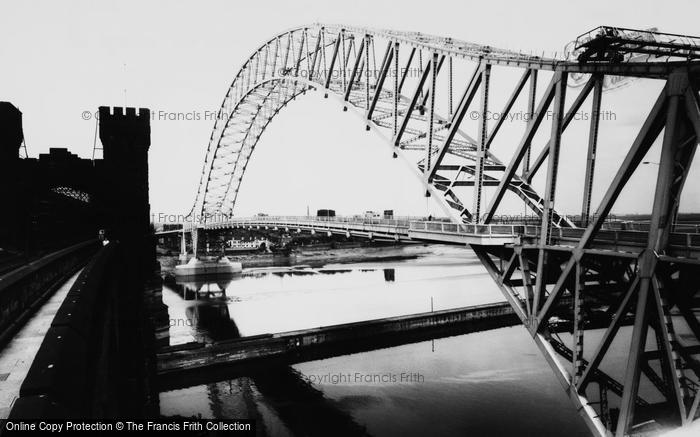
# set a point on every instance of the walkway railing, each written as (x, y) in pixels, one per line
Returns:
(408, 223)
(23, 289)
(454, 228)
(632, 234)
(356, 220)
(618, 237)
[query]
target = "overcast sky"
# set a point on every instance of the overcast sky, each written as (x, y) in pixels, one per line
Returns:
(60, 59)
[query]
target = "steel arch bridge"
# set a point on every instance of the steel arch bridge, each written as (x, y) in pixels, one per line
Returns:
(408, 96)
(405, 87)
(399, 107)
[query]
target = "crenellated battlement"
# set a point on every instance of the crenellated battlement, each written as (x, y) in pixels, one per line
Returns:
(124, 129)
(121, 112)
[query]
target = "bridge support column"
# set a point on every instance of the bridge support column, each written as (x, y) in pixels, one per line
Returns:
(183, 247)
(481, 147)
(577, 360)
(195, 241)
(558, 109)
(592, 145)
(677, 150)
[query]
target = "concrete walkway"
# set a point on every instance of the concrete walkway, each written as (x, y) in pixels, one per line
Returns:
(18, 355)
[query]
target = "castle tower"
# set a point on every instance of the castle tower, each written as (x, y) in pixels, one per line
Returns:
(126, 138)
(11, 136)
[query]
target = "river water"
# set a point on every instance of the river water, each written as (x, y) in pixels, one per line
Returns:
(489, 383)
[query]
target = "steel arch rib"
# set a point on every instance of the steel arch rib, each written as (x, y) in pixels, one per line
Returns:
(258, 92)
(241, 160)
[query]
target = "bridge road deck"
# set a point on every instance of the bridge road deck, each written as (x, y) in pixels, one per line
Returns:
(608, 240)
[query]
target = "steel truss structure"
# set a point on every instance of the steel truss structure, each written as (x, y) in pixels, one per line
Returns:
(399, 82)
(655, 288)
(411, 96)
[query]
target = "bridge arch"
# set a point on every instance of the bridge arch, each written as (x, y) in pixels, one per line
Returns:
(305, 85)
(342, 61)
(334, 58)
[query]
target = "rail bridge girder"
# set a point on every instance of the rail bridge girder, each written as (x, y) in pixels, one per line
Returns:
(652, 286)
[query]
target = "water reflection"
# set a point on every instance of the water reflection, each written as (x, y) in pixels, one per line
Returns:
(469, 386)
(279, 399)
(277, 299)
(193, 288)
(212, 321)
(203, 315)
(206, 303)
(304, 409)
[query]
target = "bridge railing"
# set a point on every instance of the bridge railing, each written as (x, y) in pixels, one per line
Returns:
(686, 240)
(356, 220)
(681, 227)
(455, 228)
(24, 289)
(94, 358)
(409, 223)
(631, 235)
